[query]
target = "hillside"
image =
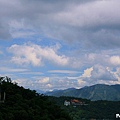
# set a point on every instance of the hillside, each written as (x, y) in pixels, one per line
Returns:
(95, 92)
(91, 110)
(18, 103)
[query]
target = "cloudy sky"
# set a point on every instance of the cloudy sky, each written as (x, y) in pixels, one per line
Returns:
(51, 44)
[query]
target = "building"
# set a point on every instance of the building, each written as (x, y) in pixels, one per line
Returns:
(66, 103)
(74, 102)
(77, 102)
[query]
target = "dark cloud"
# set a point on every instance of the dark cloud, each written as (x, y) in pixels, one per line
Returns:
(4, 33)
(87, 24)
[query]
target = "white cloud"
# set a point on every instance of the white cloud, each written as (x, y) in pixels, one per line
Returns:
(6, 69)
(87, 72)
(47, 83)
(109, 58)
(35, 55)
(115, 60)
(32, 73)
(117, 74)
(44, 80)
(64, 71)
(81, 83)
(49, 86)
(38, 56)
(101, 73)
(98, 74)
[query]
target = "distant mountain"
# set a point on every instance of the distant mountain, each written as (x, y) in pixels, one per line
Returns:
(40, 91)
(59, 93)
(95, 92)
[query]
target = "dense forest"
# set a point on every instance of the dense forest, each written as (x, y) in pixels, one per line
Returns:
(18, 103)
(91, 110)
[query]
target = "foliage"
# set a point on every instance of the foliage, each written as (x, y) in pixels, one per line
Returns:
(91, 110)
(26, 104)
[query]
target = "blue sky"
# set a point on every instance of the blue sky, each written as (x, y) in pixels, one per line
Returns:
(49, 44)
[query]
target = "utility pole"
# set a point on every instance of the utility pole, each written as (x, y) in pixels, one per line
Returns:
(4, 96)
(0, 95)
(0, 92)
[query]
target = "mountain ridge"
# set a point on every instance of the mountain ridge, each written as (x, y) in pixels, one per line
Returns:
(94, 92)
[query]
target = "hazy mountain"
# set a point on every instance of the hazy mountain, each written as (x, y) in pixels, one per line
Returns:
(95, 92)
(58, 93)
(40, 91)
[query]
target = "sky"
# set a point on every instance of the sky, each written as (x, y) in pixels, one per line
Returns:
(51, 44)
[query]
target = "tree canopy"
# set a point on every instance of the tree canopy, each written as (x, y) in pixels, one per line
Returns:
(26, 104)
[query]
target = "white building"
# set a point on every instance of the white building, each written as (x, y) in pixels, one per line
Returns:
(66, 103)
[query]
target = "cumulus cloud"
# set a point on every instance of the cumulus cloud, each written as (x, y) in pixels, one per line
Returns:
(82, 83)
(36, 55)
(115, 60)
(44, 80)
(87, 72)
(101, 73)
(98, 74)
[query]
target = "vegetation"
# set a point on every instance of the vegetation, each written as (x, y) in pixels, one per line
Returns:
(99, 110)
(24, 104)
(18, 103)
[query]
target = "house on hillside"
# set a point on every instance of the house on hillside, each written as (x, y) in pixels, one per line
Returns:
(74, 102)
(66, 102)
(77, 102)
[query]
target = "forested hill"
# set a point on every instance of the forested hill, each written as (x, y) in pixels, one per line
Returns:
(18, 103)
(95, 92)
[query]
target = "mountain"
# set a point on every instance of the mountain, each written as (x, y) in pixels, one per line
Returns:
(58, 93)
(94, 92)
(40, 91)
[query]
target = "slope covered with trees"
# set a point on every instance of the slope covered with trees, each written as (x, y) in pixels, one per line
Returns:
(91, 110)
(18, 103)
